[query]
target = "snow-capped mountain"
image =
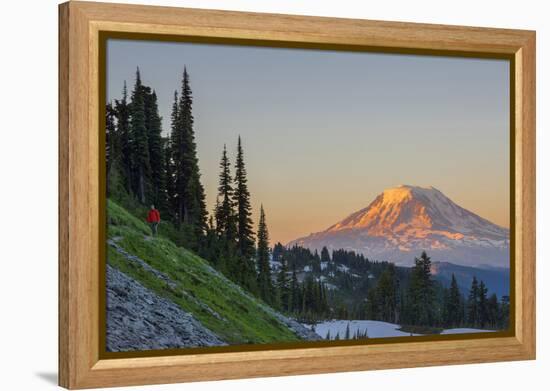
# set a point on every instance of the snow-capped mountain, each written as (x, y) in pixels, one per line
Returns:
(403, 221)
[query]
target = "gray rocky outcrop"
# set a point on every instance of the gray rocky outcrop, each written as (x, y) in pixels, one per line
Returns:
(139, 319)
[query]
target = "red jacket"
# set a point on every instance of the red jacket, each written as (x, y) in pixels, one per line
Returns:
(153, 216)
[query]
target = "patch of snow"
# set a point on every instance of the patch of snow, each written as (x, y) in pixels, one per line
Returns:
(275, 265)
(375, 328)
(342, 268)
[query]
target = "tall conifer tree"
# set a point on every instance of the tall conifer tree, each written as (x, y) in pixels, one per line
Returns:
(492, 311)
(139, 143)
(189, 192)
(387, 295)
(265, 286)
(225, 213)
(421, 292)
(171, 154)
(473, 303)
(325, 255)
(483, 307)
(283, 286)
(122, 110)
(168, 170)
(453, 306)
(156, 154)
(241, 199)
(111, 142)
(294, 291)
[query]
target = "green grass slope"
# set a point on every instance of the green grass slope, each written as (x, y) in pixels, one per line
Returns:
(221, 306)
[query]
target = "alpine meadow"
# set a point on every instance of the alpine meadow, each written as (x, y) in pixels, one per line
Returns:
(269, 195)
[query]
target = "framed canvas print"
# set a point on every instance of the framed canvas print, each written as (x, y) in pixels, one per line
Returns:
(248, 195)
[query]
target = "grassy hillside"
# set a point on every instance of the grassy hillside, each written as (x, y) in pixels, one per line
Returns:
(221, 306)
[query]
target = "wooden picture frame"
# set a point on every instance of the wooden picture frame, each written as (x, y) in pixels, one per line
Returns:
(80, 27)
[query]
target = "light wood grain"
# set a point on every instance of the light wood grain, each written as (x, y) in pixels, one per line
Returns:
(526, 189)
(80, 23)
(64, 353)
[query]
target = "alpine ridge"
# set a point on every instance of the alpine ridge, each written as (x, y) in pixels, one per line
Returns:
(403, 221)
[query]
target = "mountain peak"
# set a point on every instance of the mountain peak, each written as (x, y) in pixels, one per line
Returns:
(407, 218)
(410, 189)
(404, 192)
(395, 209)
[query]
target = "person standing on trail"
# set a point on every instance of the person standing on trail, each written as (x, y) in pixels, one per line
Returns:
(153, 218)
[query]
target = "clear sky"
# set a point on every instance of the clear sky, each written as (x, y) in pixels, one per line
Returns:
(324, 132)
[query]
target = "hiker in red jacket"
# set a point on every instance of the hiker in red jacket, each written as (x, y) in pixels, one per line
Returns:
(153, 218)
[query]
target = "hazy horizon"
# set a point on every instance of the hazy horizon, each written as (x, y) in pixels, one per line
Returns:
(325, 132)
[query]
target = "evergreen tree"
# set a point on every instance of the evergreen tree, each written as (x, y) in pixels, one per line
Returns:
(241, 200)
(387, 294)
(492, 311)
(122, 110)
(482, 302)
(169, 186)
(179, 156)
(115, 174)
(239, 268)
(347, 335)
(211, 242)
(504, 312)
(325, 255)
(264, 271)
(197, 215)
(324, 306)
(225, 213)
(372, 306)
(342, 312)
(284, 286)
(295, 300)
(156, 154)
(170, 156)
(190, 198)
(473, 304)
(244, 229)
(111, 140)
(421, 292)
(316, 263)
(278, 253)
(139, 144)
(453, 307)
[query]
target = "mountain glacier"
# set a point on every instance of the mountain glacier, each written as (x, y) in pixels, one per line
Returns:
(403, 221)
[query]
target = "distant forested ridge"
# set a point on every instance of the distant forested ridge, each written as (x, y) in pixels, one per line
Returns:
(356, 287)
